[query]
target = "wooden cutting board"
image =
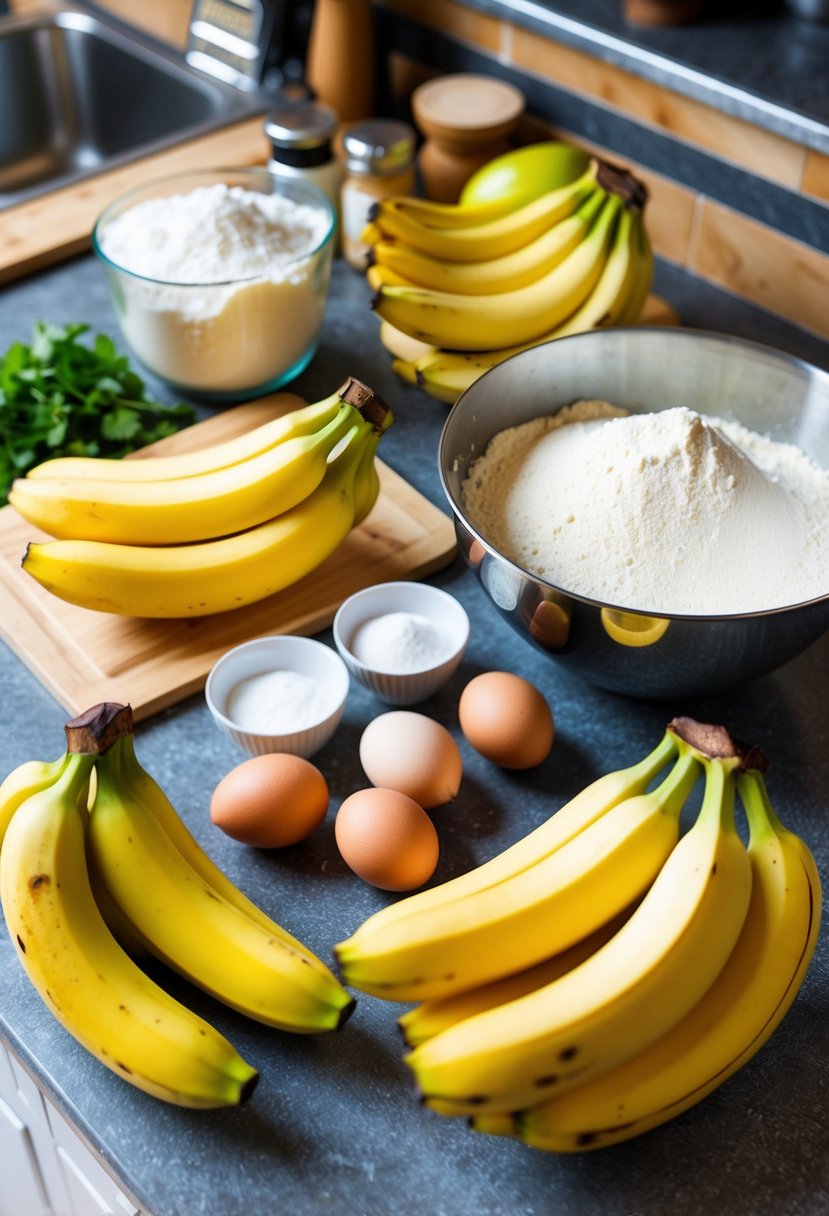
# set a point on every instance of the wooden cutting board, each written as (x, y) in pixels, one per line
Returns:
(84, 657)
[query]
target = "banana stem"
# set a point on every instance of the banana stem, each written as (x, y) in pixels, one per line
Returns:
(96, 729)
(673, 792)
(72, 787)
(720, 787)
(762, 821)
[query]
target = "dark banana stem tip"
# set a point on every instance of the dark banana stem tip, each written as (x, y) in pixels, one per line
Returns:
(618, 180)
(364, 399)
(717, 743)
(95, 730)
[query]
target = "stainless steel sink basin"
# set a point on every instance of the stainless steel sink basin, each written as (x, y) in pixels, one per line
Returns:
(79, 94)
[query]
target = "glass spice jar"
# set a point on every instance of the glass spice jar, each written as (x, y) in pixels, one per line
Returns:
(379, 162)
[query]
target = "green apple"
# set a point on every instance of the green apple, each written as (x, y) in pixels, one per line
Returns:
(526, 173)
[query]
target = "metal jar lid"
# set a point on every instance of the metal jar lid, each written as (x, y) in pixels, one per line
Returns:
(300, 125)
(379, 146)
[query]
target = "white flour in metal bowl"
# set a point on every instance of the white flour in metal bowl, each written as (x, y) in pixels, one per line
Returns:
(670, 512)
(196, 326)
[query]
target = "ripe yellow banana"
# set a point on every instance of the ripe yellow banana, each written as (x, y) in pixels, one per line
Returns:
(490, 239)
(146, 791)
(381, 276)
(449, 216)
(27, 779)
(402, 346)
(635, 988)
(589, 805)
(507, 273)
(619, 280)
(187, 509)
(194, 928)
(425, 1021)
(488, 322)
(84, 977)
(543, 909)
(632, 310)
(617, 299)
(303, 420)
(737, 1015)
(213, 576)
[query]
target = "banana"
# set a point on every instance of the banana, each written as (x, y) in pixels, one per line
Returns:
(543, 909)
(734, 1019)
(594, 801)
(490, 239)
(633, 308)
(426, 1020)
(449, 216)
(617, 299)
(213, 576)
(193, 928)
(293, 425)
(507, 273)
(189, 509)
(382, 276)
(619, 280)
(27, 779)
(643, 982)
(487, 322)
(402, 346)
(405, 370)
(146, 791)
(84, 977)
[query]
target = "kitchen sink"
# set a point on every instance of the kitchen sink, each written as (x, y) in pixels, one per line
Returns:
(80, 94)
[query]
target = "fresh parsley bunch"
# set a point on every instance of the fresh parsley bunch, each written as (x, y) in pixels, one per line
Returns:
(59, 397)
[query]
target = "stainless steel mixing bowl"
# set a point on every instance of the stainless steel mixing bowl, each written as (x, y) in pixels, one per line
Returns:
(642, 370)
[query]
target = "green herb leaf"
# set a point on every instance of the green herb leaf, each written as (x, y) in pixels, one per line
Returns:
(60, 396)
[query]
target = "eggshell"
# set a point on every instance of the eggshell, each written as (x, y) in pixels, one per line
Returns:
(386, 839)
(506, 719)
(413, 754)
(270, 801)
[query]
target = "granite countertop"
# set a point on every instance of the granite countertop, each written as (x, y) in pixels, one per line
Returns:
(334, 1126)
(760, 62)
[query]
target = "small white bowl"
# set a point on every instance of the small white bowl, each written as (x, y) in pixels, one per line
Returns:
(442, 609)
(285, 652)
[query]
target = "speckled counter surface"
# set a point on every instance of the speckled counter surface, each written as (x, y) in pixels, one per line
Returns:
(334, 1127)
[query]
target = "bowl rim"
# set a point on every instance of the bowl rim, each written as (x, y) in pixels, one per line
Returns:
(292, 640)
(312, 192)
(418, 673)
(685, 333)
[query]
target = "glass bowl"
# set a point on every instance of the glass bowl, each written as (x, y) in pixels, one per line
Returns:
(221, 336)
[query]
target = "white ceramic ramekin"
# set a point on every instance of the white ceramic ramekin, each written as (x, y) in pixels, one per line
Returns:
(442, 609)
(282, 653)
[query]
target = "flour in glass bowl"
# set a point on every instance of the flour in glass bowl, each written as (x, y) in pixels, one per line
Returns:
(229, 293)
(667, 512)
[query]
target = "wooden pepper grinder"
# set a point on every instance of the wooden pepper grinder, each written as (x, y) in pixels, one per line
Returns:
(340, 67)
(466, 119)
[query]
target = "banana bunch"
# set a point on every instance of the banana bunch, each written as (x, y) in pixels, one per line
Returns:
(77, 860)
(459, 290)
(212, 530)
(605, 973)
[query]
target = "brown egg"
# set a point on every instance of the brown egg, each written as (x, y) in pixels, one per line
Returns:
(506, 719)
(413, 754)
(270, 801)
(387, 839)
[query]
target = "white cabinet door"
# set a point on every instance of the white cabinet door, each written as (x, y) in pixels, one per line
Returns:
(21, 1190)
(92, 1190)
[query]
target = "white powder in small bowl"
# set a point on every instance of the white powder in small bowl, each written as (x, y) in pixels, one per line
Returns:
(232, 288)
(668, 512)
(278, 703)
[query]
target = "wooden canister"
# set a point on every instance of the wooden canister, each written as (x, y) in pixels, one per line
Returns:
(466, 120)
(340, 64)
